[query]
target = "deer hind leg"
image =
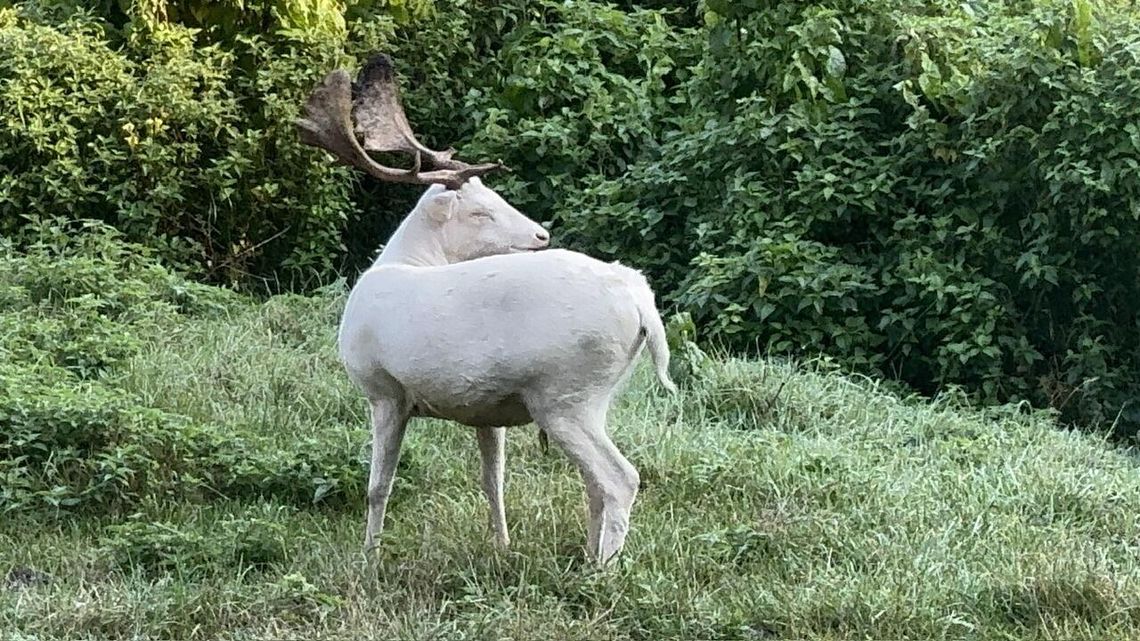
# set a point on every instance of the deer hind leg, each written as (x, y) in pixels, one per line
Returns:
(493, 456)
(389, 422)
(611, 481)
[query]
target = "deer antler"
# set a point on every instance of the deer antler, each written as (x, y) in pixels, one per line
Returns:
(375, 103)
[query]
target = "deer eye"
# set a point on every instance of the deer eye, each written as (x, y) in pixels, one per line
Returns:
(483, 214)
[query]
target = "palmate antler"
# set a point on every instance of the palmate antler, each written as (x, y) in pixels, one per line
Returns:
(374, 104)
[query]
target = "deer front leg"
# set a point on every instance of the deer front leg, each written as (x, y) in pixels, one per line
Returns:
(493, 456)
(388, 425)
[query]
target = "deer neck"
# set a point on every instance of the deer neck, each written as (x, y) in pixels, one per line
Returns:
(414, 243)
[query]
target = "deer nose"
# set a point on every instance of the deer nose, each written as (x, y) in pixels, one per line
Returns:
(542, 235)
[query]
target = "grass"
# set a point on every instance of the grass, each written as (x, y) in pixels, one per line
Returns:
(778, 501)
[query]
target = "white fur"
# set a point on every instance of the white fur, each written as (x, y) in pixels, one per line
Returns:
(457, 320)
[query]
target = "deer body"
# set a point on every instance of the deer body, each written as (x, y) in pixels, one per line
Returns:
(478, 341)
(462, 318)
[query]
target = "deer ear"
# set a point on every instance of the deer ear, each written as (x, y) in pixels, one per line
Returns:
(441, 207)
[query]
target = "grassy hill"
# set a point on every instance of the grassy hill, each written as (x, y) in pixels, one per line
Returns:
(224, 498)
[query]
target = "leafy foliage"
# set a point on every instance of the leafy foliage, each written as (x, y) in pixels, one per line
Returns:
(76, 305)
(943, 194)
(155, 547)
(186, 147)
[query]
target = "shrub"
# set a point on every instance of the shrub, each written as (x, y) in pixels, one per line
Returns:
(945, 194)
(157, 547)
(72, 292)
(185, 146)
(68, 446)
(76, 303)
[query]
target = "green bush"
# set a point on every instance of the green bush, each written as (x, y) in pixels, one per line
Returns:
(944, 193)
(84, 446)
(185, 146)
(156, 547)
(75, 295)
(76, 304)
(202, 160)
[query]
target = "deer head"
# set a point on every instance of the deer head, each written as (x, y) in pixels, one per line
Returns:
(457, 218)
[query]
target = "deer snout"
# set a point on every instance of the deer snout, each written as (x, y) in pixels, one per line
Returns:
(542, 236)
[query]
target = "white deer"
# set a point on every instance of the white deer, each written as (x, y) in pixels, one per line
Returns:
(461, 318)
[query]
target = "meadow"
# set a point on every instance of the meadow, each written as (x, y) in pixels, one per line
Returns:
(910, 226)
(779, 499)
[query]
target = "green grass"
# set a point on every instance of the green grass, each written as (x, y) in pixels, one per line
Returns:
(778, 501)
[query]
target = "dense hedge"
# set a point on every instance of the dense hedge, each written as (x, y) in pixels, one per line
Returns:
(77, 303)
(187, 146)
(946, 194)
(943, 192)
